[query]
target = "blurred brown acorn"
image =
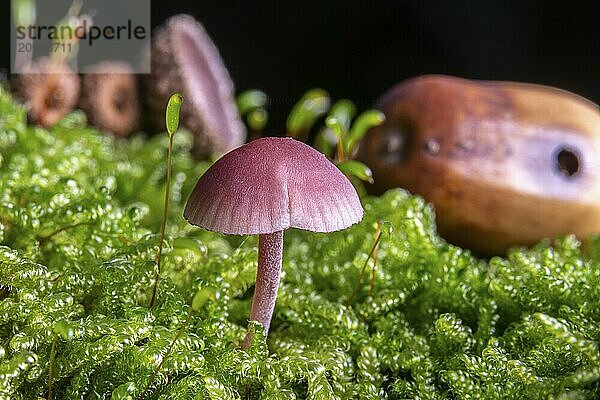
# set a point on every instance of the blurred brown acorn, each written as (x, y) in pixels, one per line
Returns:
(110, 97)
(49, 90)
(504, 163)
(185, 60)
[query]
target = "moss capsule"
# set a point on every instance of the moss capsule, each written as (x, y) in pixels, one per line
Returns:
(172, 113)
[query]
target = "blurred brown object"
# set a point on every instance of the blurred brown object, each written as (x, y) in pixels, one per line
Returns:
(110, 98)
(184, 59)
(49, 90)
(504, 163)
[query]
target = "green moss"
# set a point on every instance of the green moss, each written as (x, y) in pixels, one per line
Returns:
(79, 216)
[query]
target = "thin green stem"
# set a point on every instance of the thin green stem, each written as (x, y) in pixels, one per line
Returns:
(64, 228)
(51, 367)
(374, 256)
(364, 268)
(164, 224)
(341, 157)
(162, 361)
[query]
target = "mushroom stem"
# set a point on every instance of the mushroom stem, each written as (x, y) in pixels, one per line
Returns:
(270, 254)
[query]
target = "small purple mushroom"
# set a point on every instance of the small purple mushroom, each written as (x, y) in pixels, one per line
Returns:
(265, 187)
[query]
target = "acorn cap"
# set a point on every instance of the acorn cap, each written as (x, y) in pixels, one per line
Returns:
(110, 97)
(184, 59)
(49, 89)
(272, 184)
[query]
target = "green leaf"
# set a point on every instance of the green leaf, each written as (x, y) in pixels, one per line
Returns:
(63, 329)
(325, 141)
(336, 126)
(250, 100)
(344, 111)
(340, 115)
(357, 169)
(257, 119)
(306, 111)
(365, 121)
(204, 295)
(387, 227)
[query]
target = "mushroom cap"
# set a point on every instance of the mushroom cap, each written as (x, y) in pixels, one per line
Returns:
(184, 59)
(49, 89)
(110, 97)
(272, 184)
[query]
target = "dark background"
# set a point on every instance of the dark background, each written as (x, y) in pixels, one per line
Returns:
(358, 49)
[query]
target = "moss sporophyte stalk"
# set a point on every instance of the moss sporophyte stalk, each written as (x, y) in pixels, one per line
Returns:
(439, 323)
(172, 124)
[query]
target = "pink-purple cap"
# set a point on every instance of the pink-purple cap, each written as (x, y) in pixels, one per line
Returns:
(272, 184)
